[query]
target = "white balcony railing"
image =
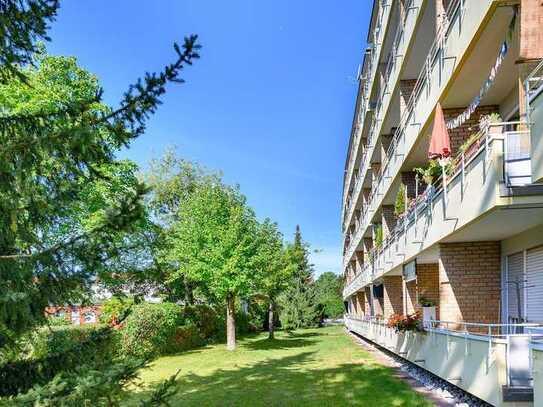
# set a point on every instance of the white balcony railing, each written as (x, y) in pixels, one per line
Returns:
(516, 172)
(469, 340)
(435, 58)
(368, 75)
(394, 61)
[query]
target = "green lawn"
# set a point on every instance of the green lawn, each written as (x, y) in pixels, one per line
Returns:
(313, 367)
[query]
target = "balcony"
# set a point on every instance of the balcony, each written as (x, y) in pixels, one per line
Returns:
(471, 204)
(486, 360)
(400, 44)
(451, 43)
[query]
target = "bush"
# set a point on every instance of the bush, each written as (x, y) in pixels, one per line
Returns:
(204, 318)
(60, 339)
(150, 329)
(114, 309)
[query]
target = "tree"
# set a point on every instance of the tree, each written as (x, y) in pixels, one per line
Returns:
(172, 180)
(214, 244)
(328, 288)
(298, 300)
(275, 270)
(57, 138)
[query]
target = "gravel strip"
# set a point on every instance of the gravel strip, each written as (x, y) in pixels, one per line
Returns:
(439, 391)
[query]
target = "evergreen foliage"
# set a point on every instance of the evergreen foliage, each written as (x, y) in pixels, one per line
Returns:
(297, 302)
(329, 298)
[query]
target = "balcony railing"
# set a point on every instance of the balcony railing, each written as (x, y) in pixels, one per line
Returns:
(516, 338)
(516, 144)
(392, 65)
(368, 74)
(422, 86)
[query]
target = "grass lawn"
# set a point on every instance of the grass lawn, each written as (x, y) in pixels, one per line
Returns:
(313, 367)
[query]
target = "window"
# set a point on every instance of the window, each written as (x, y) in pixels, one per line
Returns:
(90, 317)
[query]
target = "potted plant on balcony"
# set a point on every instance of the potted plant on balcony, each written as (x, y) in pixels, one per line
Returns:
(428, 309)
(486, 122)
(405, 323)
(432, 172)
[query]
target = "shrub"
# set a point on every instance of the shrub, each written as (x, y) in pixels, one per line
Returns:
(48, 341)
(399, 205)
(150, 329)
(204, 318)
(114, 309)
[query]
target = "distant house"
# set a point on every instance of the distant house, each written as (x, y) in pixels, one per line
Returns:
(76, 314)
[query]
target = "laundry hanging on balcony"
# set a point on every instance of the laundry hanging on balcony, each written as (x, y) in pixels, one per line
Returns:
(466, 114)
(440, 143)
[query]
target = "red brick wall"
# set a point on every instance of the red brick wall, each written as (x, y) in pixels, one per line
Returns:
(366, 195)
(428, 283)
(408, 179)
(360, 299)
(67, 311)
(406, 88)
(368, 244)
(471, 126)
(469, 281)
(393, 295)
(410, 296)
(367, 298)
(388, 219)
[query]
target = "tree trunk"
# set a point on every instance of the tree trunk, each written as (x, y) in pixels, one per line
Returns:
(189, 296)
(271, 308)
(230, 322)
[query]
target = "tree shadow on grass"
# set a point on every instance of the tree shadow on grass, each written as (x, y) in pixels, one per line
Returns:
(293, 381)
(269, 344)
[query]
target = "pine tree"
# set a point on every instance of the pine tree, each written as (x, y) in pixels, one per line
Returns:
(297, 303)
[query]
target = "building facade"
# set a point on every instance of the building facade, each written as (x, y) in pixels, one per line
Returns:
(460, 240)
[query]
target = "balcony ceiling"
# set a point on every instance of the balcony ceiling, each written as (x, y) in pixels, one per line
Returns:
(482, 57)
(492, 226)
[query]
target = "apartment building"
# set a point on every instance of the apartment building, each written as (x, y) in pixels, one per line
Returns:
(461, 239)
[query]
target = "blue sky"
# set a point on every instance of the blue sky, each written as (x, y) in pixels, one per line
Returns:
(270, 103)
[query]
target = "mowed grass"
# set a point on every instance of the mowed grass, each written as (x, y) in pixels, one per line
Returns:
(312, 367)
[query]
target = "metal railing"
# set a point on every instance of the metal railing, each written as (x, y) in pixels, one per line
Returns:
(385, 90)
(517, 338)
(482, 144)
(436, 54)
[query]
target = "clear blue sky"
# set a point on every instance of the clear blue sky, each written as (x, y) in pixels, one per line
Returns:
(270, 103)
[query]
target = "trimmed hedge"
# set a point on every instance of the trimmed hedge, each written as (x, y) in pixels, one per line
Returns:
(150, 329)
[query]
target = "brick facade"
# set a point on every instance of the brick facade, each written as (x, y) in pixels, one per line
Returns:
(77, 315)
(406, 89)
(393, 295)
(378, 305)
(470, 281)
(428, 283)
(368, 244)
(408, 179)
(367, 301)
(359, 256)
(386, 139)
(388, 219)
(471, 126)
(366, 195)
(361, 301)
(409, 296)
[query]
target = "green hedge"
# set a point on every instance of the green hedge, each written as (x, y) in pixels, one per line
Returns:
(150, 329)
